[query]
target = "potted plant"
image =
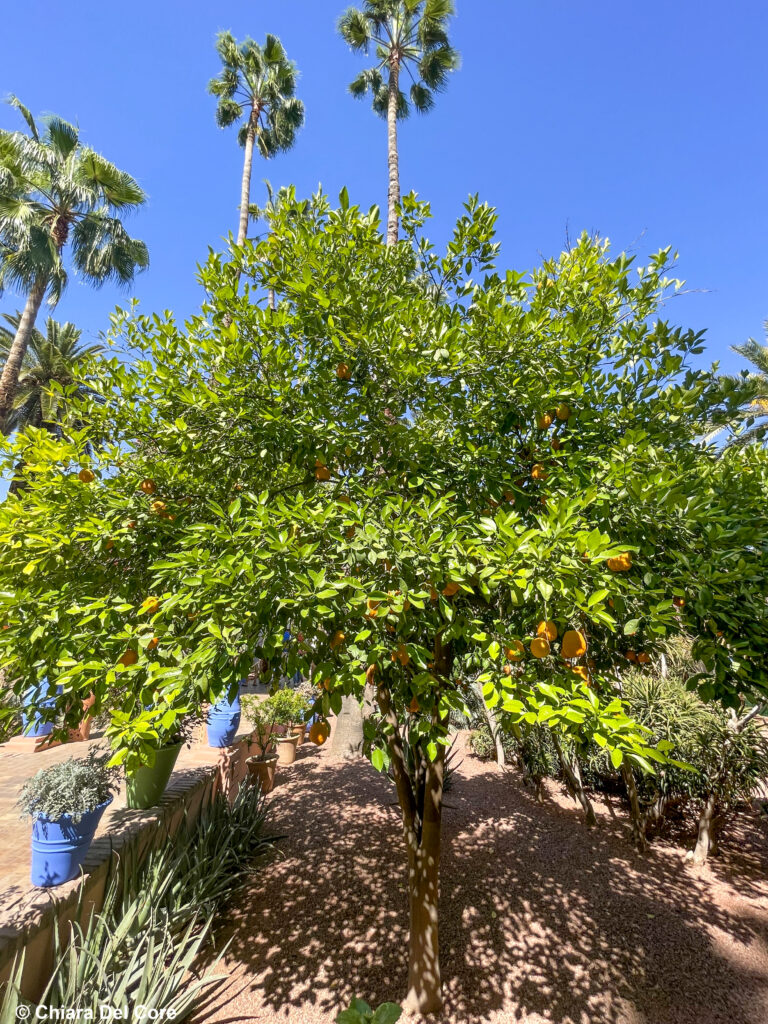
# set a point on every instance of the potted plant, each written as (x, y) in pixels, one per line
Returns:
(223, 720)
(66, 802)
(149, 748)
(261, 766)
(288, 708)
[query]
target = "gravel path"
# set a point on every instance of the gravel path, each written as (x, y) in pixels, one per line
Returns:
(541, 921)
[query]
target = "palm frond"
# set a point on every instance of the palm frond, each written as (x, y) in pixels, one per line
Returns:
(26, 114)
(60, 135)
(355, 28)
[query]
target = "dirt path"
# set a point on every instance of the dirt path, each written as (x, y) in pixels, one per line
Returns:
(541, 921)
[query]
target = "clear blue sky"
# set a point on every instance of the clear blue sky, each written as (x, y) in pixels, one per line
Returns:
(645, 122)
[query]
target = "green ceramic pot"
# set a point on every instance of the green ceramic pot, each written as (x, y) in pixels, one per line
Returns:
(145, 786)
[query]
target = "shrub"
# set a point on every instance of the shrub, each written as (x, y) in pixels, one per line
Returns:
(73, 787)
(287, 707)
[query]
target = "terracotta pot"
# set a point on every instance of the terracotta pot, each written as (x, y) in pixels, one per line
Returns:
(300, 731)
(262, 771)
(286, 749)
(84, 730)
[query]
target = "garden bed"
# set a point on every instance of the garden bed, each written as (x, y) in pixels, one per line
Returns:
(541, 919)
(27, 914)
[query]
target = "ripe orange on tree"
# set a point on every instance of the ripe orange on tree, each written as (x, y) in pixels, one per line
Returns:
(343, 372)
(547, 629)
(540, 647)
(622, 563)
(148, 486)
(538, 472)
(86, 476)
(319, 733)
(130, 657)
(563, 411)
(544, 421)
(515, 651)
(574, 644)
(321, 471)
(337, 639)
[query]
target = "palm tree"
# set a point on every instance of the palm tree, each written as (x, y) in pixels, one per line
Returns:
(258, 83)
(50, 372)
(754, 412)
(55, 191)
(410, 36)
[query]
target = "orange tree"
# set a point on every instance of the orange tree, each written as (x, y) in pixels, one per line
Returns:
(414, 463)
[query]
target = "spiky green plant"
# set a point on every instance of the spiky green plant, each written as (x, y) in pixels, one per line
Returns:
(56, 193)
(409, 37)
(256, 86)
(157, 915)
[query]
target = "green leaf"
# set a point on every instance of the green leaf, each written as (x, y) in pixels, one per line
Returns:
(616, 757)
(387, 1013)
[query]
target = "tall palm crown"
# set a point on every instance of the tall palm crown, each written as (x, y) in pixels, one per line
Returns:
(754, 414)
(409, 36)
(55, 192)
(53, 358)
(257, 86)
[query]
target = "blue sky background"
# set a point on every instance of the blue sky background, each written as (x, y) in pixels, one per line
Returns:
(645, 122)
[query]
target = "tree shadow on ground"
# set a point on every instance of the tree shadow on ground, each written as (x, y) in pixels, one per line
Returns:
(540, 919)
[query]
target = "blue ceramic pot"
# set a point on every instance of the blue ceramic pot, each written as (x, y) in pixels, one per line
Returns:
(59, 847)
(33, 724)
(223, 721)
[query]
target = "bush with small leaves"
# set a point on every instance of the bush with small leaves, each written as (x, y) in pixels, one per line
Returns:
(74, 787)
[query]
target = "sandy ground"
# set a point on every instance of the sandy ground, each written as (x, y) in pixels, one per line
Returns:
(541, 921)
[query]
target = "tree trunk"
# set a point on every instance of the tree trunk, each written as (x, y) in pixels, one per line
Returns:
(10, 376)
(422, 839)
(635, 813)
(700, 852)
(493, 725)
(424, 985)
(347, 740)
(393, 197)
(245, 187)
(573, 778)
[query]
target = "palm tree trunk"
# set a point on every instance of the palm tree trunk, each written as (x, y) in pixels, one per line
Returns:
(10, 376)
(394, 164)
(245, 186)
